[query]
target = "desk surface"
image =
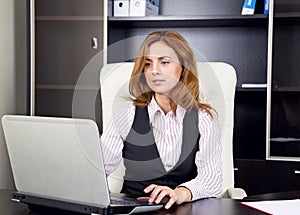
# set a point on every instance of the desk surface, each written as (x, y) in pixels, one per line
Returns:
(206, 206)
(275, 196)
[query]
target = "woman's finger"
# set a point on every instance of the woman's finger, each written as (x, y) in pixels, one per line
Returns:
(170, 203)
(155, 193)
(150, 188)
(165, 192)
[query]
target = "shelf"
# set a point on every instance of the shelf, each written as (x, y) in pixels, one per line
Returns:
(69, 18)
(189, 21)
(252, 87)
(66, 87)
(287, 15)
(286, 89)
(287, 18)
(242, 89)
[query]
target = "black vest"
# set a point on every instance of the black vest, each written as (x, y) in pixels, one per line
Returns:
(141, 157)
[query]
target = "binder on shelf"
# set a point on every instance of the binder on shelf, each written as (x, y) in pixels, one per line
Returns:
(152, 7)
(248, 7)
(266, 6)
(121, 8)
(137, 8)
(144, 7)
(109, 8)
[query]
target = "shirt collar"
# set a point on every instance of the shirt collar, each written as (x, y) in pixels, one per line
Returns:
(153, 108)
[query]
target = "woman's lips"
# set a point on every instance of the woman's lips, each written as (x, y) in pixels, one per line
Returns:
(158, 81)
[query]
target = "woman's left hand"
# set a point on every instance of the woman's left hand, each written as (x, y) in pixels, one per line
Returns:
(178, 195)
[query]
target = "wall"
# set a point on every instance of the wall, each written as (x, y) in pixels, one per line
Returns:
(12, 72)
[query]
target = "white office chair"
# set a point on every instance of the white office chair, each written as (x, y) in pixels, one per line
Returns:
(217, 87)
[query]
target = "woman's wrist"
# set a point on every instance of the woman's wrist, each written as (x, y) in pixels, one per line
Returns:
(188, 196)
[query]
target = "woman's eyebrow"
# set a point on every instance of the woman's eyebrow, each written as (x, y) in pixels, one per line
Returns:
(159, 58)
(162, 57)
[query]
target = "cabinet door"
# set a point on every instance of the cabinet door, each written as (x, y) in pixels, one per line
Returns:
(283, 176)
(250, 175)
(249, 136)
(68, 36)
(284, 141)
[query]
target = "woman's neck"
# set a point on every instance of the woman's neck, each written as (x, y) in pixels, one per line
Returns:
(164, 102)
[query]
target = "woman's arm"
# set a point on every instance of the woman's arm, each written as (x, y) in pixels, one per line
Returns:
(113, 137)
(208, 182)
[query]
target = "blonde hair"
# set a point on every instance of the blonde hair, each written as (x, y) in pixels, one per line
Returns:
(186, 92)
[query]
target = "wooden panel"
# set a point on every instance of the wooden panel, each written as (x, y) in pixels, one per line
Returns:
(283, 176)
(66, 103)
(205, 7)
(69, 7)
(244, 48)
(286, 53)
(249, 135)
(250, 175)
(64, 48)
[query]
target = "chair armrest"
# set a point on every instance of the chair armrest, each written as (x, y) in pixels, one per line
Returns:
(236, 193)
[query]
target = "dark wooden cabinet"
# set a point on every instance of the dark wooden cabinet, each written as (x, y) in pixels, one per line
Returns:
(283, 142)
(250, 124)
(258, 176)
(277, 167)
(284, 139)
(66, 36)
(282, 176)
(250, 174)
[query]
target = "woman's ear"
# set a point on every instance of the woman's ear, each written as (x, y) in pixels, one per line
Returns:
(182, 73)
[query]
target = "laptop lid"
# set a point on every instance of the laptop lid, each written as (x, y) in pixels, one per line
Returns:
(59, 158)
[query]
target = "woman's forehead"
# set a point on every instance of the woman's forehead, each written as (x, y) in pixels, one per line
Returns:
(160, 49)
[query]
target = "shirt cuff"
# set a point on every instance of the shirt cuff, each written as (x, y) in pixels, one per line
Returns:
(197, 190)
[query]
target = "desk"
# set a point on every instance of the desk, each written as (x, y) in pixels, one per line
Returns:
(275, 196)
(206, 206)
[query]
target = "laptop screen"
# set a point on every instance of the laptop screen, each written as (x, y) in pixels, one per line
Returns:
(57, 157)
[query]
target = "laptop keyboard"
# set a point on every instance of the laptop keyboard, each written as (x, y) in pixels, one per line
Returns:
(123, 202)
(115, 200)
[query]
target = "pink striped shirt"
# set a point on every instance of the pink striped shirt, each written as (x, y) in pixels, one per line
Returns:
(167, 131)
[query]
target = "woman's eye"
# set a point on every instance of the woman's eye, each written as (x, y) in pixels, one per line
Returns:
(165, 62)
(147, 64)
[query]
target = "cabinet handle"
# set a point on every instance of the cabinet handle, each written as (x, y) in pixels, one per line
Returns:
(235, 169)
(297, 172)
(94, 43)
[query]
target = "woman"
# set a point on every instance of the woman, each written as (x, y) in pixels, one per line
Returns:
(169, 140)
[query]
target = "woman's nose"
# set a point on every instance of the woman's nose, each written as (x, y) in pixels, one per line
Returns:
(155, 69)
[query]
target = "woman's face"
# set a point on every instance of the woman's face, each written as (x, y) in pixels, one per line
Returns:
(162, 68)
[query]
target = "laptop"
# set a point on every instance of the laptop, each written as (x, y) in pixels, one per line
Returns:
(57, 163)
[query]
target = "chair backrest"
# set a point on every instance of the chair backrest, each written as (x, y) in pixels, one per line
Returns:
(217, 87)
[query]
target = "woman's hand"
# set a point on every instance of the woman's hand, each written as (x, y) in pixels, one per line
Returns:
(178, 195)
